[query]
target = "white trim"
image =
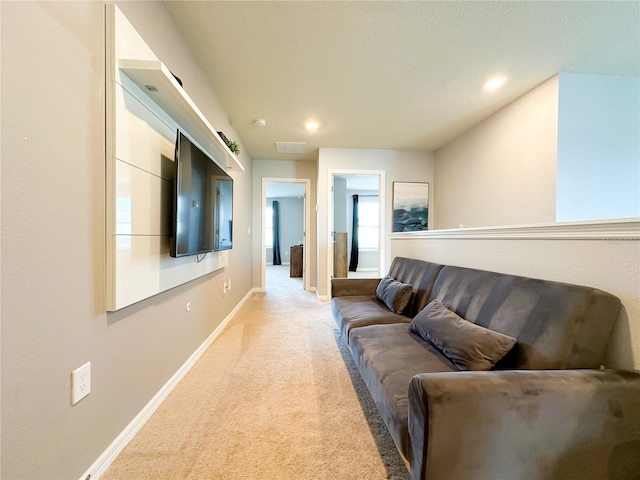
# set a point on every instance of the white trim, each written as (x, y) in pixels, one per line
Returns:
(104, 461)
(617, 229)
(323, 298)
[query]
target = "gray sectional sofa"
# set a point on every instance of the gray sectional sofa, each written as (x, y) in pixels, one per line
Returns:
(482, 375)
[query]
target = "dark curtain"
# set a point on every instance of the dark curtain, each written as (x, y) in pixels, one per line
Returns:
(353, 263)
(276, 233)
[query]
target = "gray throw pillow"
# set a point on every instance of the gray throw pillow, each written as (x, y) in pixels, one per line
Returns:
(394, 294)
(467, 345)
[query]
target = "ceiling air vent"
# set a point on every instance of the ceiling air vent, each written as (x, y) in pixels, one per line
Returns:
(290, 147)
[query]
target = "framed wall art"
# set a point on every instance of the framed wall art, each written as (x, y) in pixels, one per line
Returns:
(410, 206)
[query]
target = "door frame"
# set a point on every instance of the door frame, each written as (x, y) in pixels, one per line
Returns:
(382, 245)
(306, 281)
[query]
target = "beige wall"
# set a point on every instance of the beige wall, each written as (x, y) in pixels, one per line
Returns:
(53, 243)
(502, 171)
(281, 169)
(612, 265)
(399, 166)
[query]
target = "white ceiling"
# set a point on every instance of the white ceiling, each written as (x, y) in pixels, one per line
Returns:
(391, 74)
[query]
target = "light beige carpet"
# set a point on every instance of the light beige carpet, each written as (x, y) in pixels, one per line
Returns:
(274, 397)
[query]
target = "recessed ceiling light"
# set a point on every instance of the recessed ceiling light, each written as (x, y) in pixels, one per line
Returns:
(311, 125)
(494, 82)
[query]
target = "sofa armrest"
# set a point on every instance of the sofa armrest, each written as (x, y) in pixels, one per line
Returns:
(525, 424)
(343, 287)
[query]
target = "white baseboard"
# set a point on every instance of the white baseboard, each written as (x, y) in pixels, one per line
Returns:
(323, 298)
(109, 455)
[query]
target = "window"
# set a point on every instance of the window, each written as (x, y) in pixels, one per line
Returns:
(368, 218)
(268, 227)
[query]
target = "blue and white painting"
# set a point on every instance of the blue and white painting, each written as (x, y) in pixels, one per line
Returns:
(410, 206)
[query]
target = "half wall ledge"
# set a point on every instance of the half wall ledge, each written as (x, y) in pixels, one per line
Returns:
(616, 229)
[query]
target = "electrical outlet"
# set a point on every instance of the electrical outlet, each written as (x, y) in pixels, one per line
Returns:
(229, 284)
(225, 287)
(80, 383)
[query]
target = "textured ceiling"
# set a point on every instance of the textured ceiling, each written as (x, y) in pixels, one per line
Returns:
(398, 75)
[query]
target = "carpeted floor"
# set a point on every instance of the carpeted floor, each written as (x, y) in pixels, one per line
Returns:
(276, 396)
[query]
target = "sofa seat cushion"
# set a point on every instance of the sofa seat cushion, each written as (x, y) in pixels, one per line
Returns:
(356, 311)
(388, 357)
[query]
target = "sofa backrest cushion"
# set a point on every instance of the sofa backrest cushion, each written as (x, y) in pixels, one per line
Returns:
(557, 325)
(422, 275)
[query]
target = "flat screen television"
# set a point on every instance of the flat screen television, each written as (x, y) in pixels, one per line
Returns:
(202, 218)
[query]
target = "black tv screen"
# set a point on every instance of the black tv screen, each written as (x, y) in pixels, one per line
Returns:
(202, 202)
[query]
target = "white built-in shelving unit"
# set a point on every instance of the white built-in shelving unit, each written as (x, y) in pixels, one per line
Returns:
(145, 106)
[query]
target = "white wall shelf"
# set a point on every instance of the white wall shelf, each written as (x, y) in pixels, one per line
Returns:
(159, 84)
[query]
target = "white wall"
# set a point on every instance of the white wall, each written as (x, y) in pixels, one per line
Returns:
(280, 169)
(53, 243)
(598, 167)
(612, 265)
(399, 166)
(502, 171)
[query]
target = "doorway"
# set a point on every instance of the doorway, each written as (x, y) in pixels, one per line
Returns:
(359, 255)
(289, 199)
